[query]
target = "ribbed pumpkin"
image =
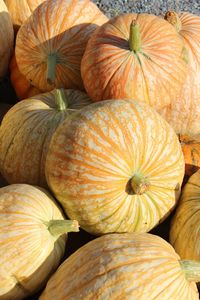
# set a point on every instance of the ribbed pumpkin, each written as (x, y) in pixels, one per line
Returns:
(191, 152)
(115, 166)
(6, 38)
(21, 85)
(49, 54)
(124, 266)
(137, 56)
(20, 10)
(185, 233)
(184, 113)
(26, 132)
(33, 239)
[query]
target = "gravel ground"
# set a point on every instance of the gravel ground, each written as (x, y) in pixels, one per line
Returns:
(158, 7)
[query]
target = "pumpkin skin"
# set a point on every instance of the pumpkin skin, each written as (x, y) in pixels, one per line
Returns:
(94, 156)
(184, 231)
(39, 40)
(145, 75)
(6, 38)
(121, 266)
(21, 85)
(20, 10)
(26, 132)
(29, 251)
(184, 113)
(191, 152)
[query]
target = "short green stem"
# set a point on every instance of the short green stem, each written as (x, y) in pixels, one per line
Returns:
(191, 269)
(173, 18)
(135, 37)
(139, 184)
(59, 227)
(61, 100)
(51, 68)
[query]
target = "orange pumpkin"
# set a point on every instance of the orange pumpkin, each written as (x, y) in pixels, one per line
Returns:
(20, 10)
(191, 152)
(115, 166)
(21, 85)
(134, 56)
(50, 55)
(184, 113)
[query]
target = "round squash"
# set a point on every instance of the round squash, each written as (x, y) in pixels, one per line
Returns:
(20, 10)
(26, 132)
(184, 232)
(33, 239)
(21, 85)
(124, 266)
(191, 152)
(50, 55)
(184, 113)
(6, 38)
(137, 56)
(115, 166)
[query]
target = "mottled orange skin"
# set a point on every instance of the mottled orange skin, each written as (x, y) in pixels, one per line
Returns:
(191, 152)
(61, 28)
(154, 74)
(93, 156)
(122, 266)
(185, 227)
(20, 10)
(21, 85)
(184, 112)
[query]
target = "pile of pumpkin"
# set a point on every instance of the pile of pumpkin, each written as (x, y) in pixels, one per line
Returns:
(107, 128)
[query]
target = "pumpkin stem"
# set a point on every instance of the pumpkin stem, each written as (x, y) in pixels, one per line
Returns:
(191, 269)
(61, 99)
(135, 37)
(59, 227)
(173, 18)
(51, 68)
(139, 184)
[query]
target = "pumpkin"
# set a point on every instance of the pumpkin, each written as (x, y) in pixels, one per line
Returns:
(115, 166)
(184, 232)
(137, 56)
(33, 237)
(184, 113)
(50, 55)
(21, 85)
(20, 10)
(26, 132)
(191, 152)
(124, 266)
(6, 38)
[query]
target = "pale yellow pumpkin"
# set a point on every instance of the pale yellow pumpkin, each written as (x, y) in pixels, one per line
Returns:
(185, 228)
(32, 235)
(6, 38)
(125, 267)
(26, 132)
(115, 166)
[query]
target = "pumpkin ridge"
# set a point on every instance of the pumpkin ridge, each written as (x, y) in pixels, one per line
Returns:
(185, 222)
(11, 142)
